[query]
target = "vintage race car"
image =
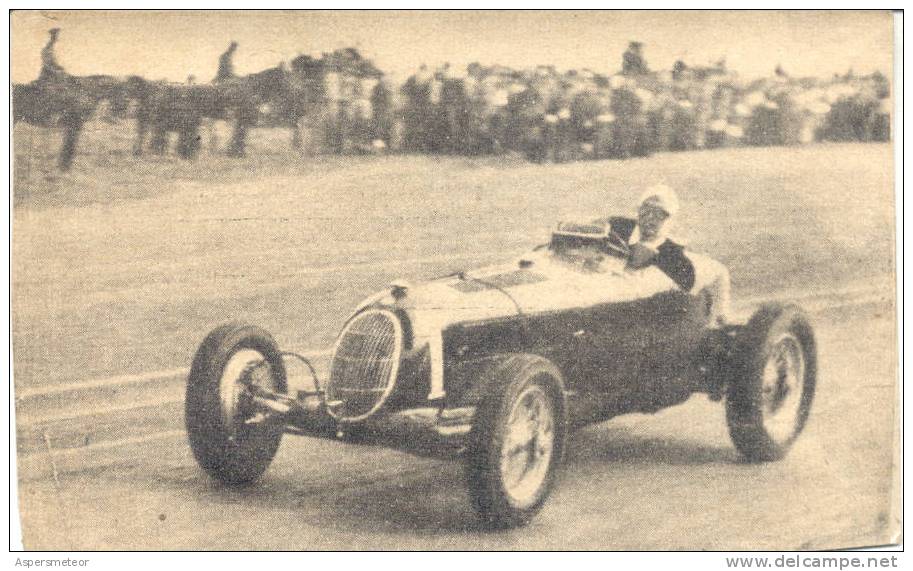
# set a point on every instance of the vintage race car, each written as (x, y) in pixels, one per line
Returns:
(498, 366)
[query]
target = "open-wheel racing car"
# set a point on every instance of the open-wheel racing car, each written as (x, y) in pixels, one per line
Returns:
(498, 365)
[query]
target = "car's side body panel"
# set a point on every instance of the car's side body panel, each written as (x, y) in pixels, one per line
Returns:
(615, 357)
(623, 339)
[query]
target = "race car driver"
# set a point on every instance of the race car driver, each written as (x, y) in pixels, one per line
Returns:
(650, 245)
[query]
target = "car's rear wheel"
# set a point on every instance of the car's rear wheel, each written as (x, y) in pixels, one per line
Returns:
(516, 442)
(769, 401)
(230, 440)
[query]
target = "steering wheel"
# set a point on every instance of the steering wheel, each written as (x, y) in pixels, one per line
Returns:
(617, 245)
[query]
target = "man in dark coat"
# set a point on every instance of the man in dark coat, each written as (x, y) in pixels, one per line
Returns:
(455, 108)
(381, 113)
(50, 69)
(226, 66)
(629, 130)
(418, 111)
(633, 62)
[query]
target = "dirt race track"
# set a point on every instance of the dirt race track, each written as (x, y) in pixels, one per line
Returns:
(119, 269)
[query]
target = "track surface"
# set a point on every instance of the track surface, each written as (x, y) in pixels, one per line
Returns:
(129, 286)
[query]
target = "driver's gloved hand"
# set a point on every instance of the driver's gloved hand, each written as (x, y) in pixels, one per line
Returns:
(640, 256)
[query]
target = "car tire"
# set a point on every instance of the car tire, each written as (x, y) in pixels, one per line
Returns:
(523, 386)
(228, 448)
(773, 383)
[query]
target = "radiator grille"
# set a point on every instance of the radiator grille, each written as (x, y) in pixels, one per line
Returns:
(365, 364)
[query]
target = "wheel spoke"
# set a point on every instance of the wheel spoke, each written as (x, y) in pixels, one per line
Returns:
(781, 391)
(520, 447)
(527, 448)
(517, 465)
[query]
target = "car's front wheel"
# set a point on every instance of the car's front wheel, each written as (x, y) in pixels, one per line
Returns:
(229, 439)
(517, 441)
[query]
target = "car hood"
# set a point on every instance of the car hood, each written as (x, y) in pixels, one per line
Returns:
(536, 283)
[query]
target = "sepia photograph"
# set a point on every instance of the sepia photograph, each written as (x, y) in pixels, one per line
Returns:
(455, 280)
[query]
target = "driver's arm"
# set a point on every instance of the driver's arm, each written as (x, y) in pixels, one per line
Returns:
(671, 259)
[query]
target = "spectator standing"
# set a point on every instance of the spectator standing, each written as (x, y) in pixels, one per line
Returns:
(381, 114)
(50, 69)
(226, 64)
(633, 62)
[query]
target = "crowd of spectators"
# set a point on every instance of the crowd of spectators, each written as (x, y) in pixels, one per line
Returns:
(551, 115)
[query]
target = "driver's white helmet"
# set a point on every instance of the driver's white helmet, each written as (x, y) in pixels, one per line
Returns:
(661, 196)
